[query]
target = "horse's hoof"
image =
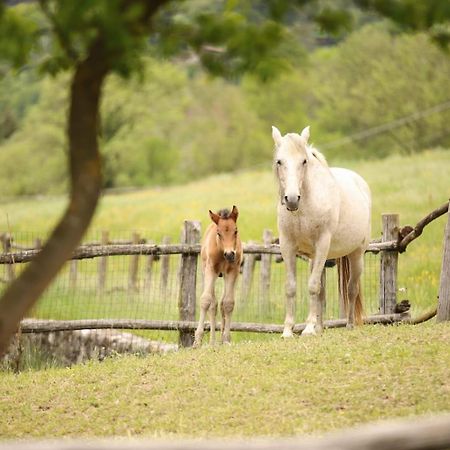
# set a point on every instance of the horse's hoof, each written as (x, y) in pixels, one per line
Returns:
(310, 330)
(196, 344)
(350, 326)
(287, 334)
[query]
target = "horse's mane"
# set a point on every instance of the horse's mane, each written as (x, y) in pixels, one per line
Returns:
(297, 140)
(319, 156)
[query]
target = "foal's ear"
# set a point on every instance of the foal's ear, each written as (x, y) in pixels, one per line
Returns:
(305, 134)
(234, 213)
(276, 135)
(214, 217)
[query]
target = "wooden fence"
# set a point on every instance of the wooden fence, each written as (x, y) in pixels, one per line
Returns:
(394, 240)
(427, 433)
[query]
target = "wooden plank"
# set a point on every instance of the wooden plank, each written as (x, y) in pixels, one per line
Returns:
(165, 267)
(443, 311)
(103, 263)
(43, 326)
(417, 433)
(134, 267)
(265, 270)
(388, 265)
(73, 273)
(188, 282)
(148, 272)
(247, 274)
(96, 251)
(6, 239)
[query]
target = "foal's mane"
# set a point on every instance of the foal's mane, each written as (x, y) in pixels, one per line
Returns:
(224, 213)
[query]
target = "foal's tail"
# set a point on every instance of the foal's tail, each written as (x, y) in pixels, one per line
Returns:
(343, 266)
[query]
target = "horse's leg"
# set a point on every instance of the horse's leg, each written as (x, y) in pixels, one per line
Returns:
(314, 323)
(212, 316)
(290, 260)
(207, 299)
(227, 304)
(356, 263)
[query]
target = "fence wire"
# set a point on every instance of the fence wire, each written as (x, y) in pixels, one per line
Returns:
(147, 287)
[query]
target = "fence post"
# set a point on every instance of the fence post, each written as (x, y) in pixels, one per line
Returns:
(38, 244)
(188, 280)
(149, 270)
(134, 266)
(443, 311)
(247, 274)
(6, 241)
(165, 266)
(388, 265)
(266, 260)
(103, 263)
(73, 273)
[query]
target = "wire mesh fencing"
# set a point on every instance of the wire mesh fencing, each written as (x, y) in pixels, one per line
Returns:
(148, 287)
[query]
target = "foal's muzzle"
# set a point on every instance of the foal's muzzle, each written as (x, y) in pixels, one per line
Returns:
(291, 202)
(230, 256)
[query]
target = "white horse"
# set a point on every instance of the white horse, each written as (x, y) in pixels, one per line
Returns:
(323, 213)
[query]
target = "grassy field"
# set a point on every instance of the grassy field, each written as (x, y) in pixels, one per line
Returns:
(266, 387)
(408, 185)
(273, 388)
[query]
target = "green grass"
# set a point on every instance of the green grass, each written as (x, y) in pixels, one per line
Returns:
(272, 388)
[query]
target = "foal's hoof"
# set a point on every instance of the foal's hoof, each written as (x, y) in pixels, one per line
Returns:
(287, 334)
(197, 341)
(350, 326)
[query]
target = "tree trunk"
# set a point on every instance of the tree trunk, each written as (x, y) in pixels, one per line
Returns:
(85, 176)
(85, 168)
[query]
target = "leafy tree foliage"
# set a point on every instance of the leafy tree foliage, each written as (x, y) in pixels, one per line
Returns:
(173, 123)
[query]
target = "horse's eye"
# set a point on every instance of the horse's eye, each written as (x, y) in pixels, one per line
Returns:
(235, 233)
(278, 162)
(219, 235)
(304, 162)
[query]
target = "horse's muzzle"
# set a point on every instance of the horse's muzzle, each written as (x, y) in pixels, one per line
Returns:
(292, 202)
(230, 256)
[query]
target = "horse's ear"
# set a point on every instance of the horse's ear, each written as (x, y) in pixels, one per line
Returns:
(276, 135)
(305, 134)
(234, 213)
(214, 217)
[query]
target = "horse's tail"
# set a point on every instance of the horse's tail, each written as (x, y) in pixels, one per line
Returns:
(343, 266)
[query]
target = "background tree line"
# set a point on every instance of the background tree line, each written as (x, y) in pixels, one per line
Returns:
(172, 122)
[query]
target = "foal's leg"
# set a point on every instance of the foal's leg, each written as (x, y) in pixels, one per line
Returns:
(314, 323)
(290, 260)
(207, 300)
(227, 304)
(356, 260)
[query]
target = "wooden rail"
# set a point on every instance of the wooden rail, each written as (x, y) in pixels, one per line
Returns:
(87, 252)
(46, 326)
(430, 433)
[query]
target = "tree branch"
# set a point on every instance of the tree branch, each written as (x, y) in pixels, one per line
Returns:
(417, 230)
